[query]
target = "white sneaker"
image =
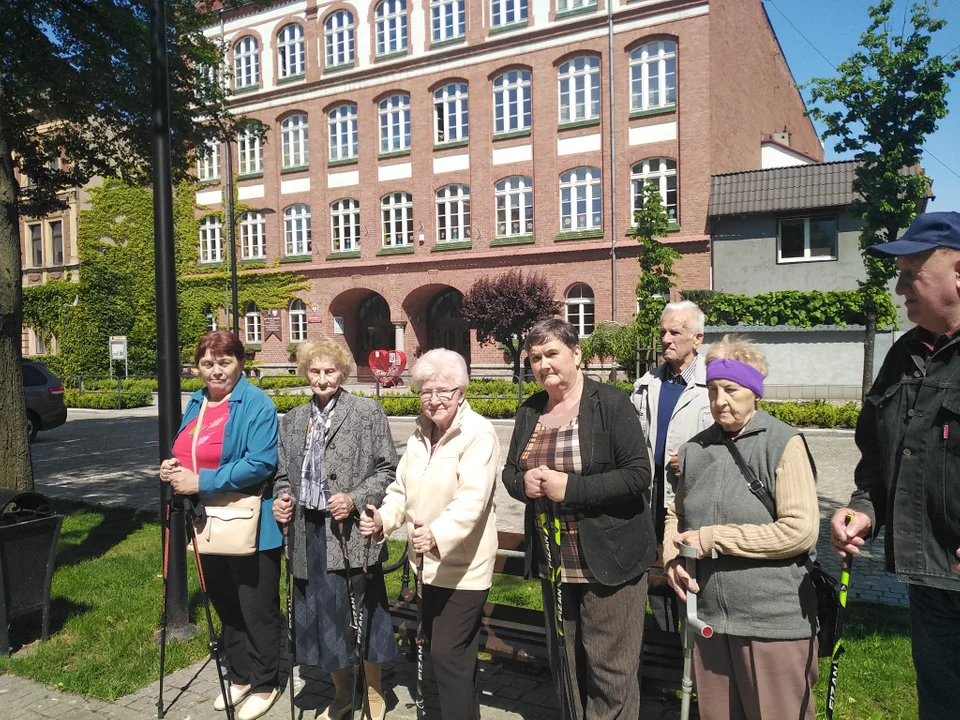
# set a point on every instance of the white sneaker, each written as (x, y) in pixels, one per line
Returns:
(256, 706)
(237, 693)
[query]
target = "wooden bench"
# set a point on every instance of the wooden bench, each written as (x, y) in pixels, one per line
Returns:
(514, 633)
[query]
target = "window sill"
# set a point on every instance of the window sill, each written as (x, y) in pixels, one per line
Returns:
(514, 240)
(460, 245)
(341, 163)
(650, 112)
(511, 135)
(253, 347)
(563, 14)
(574, 124)
(393, 154)
(207, 183)
(509, 28)
(798, 261)
(344, 255)
(460, 40)
(339, 68)
(250, 176)
(246, 89)
(296, 258)
(297, 169)
(210, 265)
(253, 262)
(390, 56)
(451, 144)
(291, 79)
(402, 250)
(579, 235)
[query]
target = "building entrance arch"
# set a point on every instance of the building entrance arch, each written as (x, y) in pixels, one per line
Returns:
(446, 326)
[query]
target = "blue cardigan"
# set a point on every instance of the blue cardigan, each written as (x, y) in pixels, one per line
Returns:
(249, 454)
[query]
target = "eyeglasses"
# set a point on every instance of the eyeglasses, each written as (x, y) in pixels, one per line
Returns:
(439, 394)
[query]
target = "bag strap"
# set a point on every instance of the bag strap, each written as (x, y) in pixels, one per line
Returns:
(196, 436)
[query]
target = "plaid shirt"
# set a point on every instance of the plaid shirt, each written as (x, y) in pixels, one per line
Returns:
(684, 377)
(559, 449)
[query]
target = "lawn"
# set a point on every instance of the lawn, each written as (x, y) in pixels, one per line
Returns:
(106, 606)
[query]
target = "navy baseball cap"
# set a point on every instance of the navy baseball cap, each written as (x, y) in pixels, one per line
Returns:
(928, 231)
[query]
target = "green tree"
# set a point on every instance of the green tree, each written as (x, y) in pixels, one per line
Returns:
(614, 341)
(650, 221)
(74, 86)
(886, 99)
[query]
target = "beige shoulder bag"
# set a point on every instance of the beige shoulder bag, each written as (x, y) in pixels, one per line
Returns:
(232, 519)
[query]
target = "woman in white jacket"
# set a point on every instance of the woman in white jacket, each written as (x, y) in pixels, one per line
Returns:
(443, 494)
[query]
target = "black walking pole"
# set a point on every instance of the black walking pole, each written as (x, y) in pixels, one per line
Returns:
(163, 605)
(359, 675)
(291, 637)
(845, 567)
(551, 531)
(420, 637)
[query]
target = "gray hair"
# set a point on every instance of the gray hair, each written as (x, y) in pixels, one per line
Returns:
(692, 311)
(554, 328)
(443, 364)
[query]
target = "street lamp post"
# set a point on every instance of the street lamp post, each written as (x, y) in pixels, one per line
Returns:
(228, 202)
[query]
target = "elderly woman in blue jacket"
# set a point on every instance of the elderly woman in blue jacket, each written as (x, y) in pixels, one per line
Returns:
(235, 451)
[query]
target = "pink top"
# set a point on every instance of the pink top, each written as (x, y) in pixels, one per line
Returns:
(210, 444)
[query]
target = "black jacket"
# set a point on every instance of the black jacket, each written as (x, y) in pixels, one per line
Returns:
(908, 477)
(611, 496)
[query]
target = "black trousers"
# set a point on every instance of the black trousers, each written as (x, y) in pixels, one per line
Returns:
(245, 593)
(451, 623)
(664, 606)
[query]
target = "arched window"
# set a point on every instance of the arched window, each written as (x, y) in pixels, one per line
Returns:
(653, 76)
(293, 141)
(511, 102)
(450, 113)
(343, 132)
(208, 161)
(663, 173)
(508, 12)
(291, 61)
(296, 230)
(253, 244)
(581, 201)
(448, 19)
(250, 150)
(453, 213)
(397, 214)
(246, 63)
(579, 80)
(395, 123)
(298, 320)
(252, 323)
(345, 222)
(514, 206)
(211, 240)
(391, 26)
(338, 37)
(579, 303)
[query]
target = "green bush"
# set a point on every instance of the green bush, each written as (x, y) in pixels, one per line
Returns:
(189, 385)
(286, 403)
(106, 400)
(278, 382)
(816, 413)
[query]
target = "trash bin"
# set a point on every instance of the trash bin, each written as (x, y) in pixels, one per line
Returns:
(29, 530)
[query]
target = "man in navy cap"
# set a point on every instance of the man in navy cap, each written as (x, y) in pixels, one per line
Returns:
(908, 477)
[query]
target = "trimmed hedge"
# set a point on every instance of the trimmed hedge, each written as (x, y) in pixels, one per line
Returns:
(816, 413)
(106, 400)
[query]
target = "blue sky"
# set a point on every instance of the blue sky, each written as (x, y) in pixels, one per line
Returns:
(834, 27)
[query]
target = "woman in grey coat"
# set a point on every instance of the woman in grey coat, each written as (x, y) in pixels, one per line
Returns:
(336, 456)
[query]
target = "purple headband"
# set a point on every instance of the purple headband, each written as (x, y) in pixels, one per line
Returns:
(736, 371)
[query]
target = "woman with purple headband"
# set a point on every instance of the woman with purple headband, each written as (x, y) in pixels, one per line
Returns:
(752, 586)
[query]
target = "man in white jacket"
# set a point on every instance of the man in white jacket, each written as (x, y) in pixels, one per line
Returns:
(673, 406)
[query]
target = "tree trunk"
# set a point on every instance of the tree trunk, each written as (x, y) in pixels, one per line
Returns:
(15, 468)
(869, 343)
(515, 349)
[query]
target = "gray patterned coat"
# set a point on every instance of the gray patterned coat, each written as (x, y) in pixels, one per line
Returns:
(360, 460)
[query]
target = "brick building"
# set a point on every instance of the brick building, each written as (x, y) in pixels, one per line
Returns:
(413, 147)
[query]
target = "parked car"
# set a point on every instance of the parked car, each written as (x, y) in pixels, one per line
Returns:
(44, 393)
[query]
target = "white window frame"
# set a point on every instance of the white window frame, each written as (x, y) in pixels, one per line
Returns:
(211, 240)
(451, 118)
(252, 324)
(344, 138)
(294, 141)
(296, 231)
(249, 152)
(394, 123)
(246, 63)
(581, 186)
(514, 203)
(807, 257)
(297, 313)
(291, 53)
(512, 104)
(208, 162)
(508, 12)
(573, 5)
(453, 214)
(579, 88)
(654, 63)
(396, 220)
(664, 175)
(339, 38)
(253, 230)
(345, 225)
(213, 322)
(578, 303)
(448, 19)
(391, 27)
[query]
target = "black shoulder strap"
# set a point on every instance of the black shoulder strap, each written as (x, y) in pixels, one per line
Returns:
(756, 487)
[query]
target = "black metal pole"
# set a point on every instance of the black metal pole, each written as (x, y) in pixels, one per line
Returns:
(168, 355)
(231, 235)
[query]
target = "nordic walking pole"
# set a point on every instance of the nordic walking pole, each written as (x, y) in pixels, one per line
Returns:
(362, 604)
(214, 646)
(551, 531)
(692, 626)
(845, 566)
(163, 605)
(291, 641)
(357, 621)
(420, 637)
